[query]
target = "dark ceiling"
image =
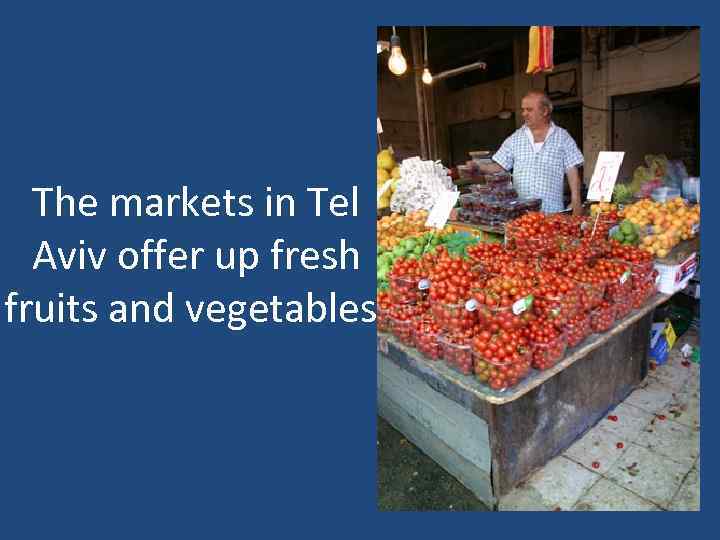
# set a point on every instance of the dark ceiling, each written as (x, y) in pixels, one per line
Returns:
(451, 47)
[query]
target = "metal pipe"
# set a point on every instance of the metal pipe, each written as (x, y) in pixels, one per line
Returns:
(459, 71)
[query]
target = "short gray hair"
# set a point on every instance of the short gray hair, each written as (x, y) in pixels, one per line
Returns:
(545, 101)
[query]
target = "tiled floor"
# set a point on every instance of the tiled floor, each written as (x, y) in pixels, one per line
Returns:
(648, 459)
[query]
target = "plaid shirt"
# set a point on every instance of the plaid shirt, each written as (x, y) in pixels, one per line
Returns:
(540, 174)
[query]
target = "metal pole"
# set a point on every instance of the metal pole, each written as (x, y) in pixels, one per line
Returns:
(416, 44)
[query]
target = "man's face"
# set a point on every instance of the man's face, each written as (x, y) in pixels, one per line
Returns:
(533, 112)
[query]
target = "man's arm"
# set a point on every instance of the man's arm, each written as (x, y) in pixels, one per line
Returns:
(491, 168)
(575, 199)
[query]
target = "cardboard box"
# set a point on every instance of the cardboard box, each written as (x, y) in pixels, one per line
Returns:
(673, 278)
(662, 339)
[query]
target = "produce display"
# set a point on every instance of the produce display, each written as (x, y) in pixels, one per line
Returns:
(548, 344)
(668, 223)
(628, 233)
(387, 169)
(617, 278)
(502, 359)
(406, 237)
(602, 317)
(383, 312)
(391, 230)
(456, 351)
(426, 333)
(603, 218)
(497, 311)
(420, 184)
(577, 329)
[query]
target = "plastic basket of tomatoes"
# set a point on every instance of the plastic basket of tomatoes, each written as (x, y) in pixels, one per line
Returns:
(408, 290)
(502, 360)
(591, 287)
(557, 298)
(623, 307)
(617, 278)
(641, 262)
(453, 317)
(451, 283)
(547, 342)
(643, 290)
(383, 312)
(402, 319)
(457, 352)
(602, 317)
(426, 333)
(577, 329)
(505, 300)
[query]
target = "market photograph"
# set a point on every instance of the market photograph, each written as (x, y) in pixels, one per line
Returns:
(538, 268)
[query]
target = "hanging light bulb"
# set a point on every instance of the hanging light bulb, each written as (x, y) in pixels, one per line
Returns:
(397, 62)
(426, 76)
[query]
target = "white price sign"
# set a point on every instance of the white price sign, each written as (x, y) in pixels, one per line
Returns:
(603, 179)
(440, 213)
(382, 189)
(379, 126)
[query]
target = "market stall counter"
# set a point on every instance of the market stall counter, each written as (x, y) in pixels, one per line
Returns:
(491, 441)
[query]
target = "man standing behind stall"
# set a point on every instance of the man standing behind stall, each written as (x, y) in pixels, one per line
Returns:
(540, 154)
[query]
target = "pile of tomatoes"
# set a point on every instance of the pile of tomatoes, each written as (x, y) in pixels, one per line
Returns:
(641, 262)
(452, 283)
(402, 319)
(496, 302)
(425, 333)
(602, 317)
(617, 278)
(491, 257)
(547, 343)
(405, 280)
(502, 360)
(563, 225)
(591, 285)
(557, 298)
(643, 290)
(601, 223)
(623, 307)
(571, 259)
(383, 311)
(508, 308)
(577, 329)
(456, 350)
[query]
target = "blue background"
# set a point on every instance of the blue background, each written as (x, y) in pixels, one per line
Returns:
(193, 430)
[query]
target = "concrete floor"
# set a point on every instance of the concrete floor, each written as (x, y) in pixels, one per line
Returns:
(646, 459)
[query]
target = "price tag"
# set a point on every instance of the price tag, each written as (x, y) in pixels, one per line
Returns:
(440, 213)
(624, 277)
(471, 305)
(382, 189)
(424, 284)
(379, 126)
(695, 228)
(522, 305)
(605, 175)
